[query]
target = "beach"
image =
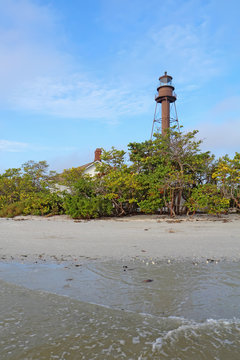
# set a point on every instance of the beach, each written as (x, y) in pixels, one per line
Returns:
(139, 288)
(201, 237)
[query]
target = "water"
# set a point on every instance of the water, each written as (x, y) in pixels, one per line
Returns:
(111, 310)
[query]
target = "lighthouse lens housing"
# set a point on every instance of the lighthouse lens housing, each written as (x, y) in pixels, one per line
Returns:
(165, 80)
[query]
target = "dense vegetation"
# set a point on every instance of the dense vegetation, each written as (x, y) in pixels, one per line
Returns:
(169, 174)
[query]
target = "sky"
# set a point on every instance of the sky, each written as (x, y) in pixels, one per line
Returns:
(76, 75)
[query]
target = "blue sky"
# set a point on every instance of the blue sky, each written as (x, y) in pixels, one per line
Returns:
(77, 75)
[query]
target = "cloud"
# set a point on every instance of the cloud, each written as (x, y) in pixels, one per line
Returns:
(76, 97)
(13, 146)
(28, 44)
(220, 131)
(185, 51)
(38, 75)
(227, 107)
(221, 136)
(72, 159)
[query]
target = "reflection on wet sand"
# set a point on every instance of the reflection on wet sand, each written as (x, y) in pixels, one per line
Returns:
(185, 311)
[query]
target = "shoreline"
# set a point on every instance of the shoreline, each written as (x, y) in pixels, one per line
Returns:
(32, 239)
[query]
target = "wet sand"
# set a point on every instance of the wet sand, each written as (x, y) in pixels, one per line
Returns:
(60, 238)
(158, 288)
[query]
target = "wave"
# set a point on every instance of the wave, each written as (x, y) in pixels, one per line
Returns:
(208, 339)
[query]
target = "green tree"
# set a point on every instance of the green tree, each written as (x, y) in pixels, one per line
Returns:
(26, 191)
(117, 182)
(84, 201)
(227, 175)
(37, 172)
(169, 167)
(207, 198)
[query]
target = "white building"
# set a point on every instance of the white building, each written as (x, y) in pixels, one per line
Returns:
(90, 168)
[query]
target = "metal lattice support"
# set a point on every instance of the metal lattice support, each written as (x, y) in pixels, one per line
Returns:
(157, 120)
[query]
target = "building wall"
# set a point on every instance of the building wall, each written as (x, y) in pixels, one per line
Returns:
(91, 170)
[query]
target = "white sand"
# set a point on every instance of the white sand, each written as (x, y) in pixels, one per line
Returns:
(143, 237)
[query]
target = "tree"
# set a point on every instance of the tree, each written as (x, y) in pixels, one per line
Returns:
(26, 191)
(37, 172)
(227, 175)
(69, 177)
(84, 201)
(169, 167)
(207, 198)
(116, 181)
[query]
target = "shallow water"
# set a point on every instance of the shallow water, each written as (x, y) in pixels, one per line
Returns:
(187, 311)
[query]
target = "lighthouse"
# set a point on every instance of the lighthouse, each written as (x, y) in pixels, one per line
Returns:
(165, 97)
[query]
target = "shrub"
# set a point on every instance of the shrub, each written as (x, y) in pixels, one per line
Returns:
(12, 210)
(43, 204)
(207, 198)
(87, 208)
(150, 206)
(34, 204)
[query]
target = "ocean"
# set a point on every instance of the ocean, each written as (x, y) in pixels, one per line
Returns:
(134, 310)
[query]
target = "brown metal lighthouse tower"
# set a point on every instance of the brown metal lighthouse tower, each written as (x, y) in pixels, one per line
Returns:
(166, 97)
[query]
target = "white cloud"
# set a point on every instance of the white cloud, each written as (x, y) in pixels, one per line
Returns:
(187, 51)
(227, 107)
(75, 97)
(16, 146)
(28, 44)
(221, 130)
(72, 159)
(79, 96)
(37, 76)
(221, 136)
(13, 146)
